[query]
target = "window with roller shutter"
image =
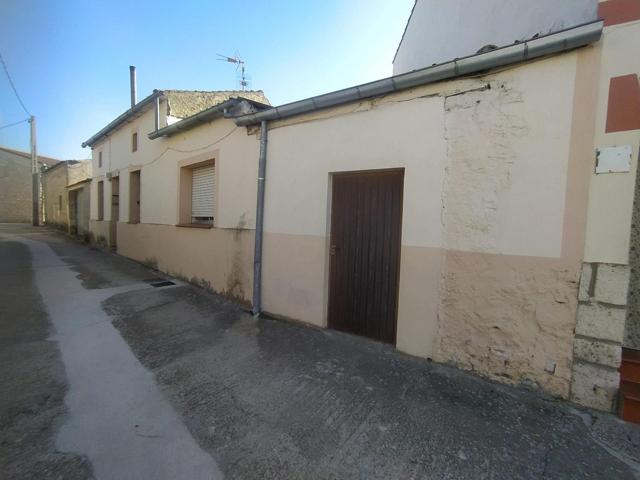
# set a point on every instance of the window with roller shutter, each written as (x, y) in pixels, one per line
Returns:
(203, 194)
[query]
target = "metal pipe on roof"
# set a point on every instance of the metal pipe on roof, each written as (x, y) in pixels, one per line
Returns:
(257, 252)
(133, 83)
(546, 45)
(157, 113)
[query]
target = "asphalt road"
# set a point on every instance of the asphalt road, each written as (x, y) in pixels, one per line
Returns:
(104, 376)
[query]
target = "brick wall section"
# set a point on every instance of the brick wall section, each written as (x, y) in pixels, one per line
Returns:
(597, 347)
(15, 188)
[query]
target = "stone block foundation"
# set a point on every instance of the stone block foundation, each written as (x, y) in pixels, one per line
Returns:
(599, 333)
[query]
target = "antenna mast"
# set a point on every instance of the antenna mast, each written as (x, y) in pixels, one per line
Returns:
(239, 66)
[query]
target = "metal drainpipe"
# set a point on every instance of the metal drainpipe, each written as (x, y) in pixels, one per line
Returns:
(257, 253)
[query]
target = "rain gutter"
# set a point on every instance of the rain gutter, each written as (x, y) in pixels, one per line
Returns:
(554, 43)
(257, 251)
(132, 112)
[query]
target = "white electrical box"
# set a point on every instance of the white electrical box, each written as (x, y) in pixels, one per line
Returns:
(613, 159)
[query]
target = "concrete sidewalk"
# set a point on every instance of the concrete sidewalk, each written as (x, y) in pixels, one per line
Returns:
(267, 399)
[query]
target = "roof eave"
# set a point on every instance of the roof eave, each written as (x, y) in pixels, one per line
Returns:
(553, 43)
(137, 108)
(207, 115)
(212, 113)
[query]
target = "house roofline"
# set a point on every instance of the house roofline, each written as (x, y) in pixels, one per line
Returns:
(519, 52)
(41, 158)
(138, 108)
(217, 111)
(404, 32)
(77, 184)
(62, 162)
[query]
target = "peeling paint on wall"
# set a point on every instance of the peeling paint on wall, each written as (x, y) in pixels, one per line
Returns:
(480, 127)
(509, 318)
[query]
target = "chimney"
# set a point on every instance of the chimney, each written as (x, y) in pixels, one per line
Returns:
(134, 88)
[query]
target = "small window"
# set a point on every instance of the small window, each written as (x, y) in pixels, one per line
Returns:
(134, 197)
(134, 142)
(100, 200)
(202, 194)
(60, 202)
(99, 159)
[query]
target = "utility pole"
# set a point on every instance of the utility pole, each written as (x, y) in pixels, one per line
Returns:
(35, 174)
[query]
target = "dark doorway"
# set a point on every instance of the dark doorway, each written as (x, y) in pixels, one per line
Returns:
(366, 221)
(115, 212)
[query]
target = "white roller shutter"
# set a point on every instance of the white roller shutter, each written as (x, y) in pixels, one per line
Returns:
(202, 192)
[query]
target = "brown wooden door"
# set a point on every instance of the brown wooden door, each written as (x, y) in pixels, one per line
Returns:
(366, 220)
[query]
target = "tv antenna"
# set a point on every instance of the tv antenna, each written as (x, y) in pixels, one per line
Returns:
(239, 62)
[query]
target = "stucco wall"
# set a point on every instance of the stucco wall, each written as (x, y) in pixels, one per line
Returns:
(611, 194)
(440, 31)
(601, 331)
(487, 278)
(516, 208)
(220, 258)
(79, 171)
(56, 201)
(236, 157)
(15, 188)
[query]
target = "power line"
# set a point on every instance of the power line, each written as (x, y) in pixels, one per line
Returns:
(13, 124)
(6, 70)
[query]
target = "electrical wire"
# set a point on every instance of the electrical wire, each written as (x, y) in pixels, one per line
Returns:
(168, 149)
(13, 124)
(6, 70)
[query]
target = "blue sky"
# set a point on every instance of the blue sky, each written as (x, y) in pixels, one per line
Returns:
(69, 59)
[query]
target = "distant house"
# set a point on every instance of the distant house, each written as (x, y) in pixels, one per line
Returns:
(16, 202)
(79, 194)
(173, 178)
(60, 211)
(477, 212)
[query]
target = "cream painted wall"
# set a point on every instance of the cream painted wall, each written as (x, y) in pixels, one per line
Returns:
(237, 156)
(611, 194)
(466, 149)
(516, 123)
(507, 161)
(393, 135)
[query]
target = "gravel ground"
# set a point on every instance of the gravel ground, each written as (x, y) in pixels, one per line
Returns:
(271, 400)
(268, 399)
(32, 379)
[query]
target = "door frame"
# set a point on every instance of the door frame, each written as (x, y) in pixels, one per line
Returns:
(328, 272)
(113, 222)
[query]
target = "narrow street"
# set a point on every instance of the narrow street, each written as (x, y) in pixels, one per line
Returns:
(111, 370)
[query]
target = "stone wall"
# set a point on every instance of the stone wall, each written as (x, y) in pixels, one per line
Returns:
(15, 188)
(632, 331)
(597, 347)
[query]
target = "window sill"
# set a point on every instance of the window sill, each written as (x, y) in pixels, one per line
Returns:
(195, 225)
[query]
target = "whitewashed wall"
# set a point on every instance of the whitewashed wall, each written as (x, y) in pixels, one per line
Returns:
(441, 30)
